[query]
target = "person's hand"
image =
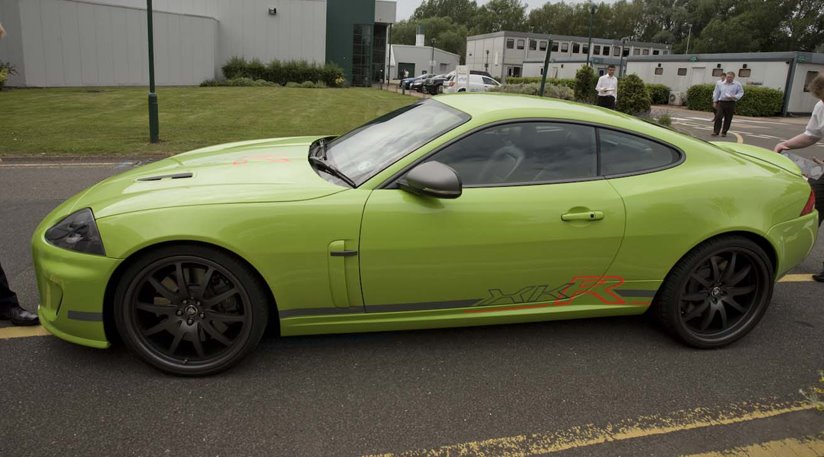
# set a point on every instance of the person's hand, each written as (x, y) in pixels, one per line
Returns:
(715, 105)
(781, 147)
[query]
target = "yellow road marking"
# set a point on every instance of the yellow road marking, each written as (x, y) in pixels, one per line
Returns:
(738, 137)
(8, 333)
(589, 435)
(797, 278)
(804, 447)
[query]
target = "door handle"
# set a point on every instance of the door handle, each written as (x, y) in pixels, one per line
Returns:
(584, 216)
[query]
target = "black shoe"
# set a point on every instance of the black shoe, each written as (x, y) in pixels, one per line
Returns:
(723, 134)
(819, 277)
(713, 134)
(20, 316)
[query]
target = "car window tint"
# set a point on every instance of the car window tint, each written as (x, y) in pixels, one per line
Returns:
(522, 153)
(623, 153)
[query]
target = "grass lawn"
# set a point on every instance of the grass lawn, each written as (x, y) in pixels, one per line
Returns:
(115, 121)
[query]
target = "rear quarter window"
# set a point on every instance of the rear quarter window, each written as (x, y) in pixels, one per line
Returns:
(623, 153)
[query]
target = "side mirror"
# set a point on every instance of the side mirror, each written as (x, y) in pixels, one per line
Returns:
(432, 179)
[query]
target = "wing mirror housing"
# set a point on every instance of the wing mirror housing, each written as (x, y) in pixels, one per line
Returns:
(432, 179)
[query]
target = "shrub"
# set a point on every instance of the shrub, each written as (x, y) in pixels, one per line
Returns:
(757, 101)
(307, 85)
(6, 70)
(665, 120)
(292, 84)
(537, 79)
(658, 94)
(238, 82)
(562, 92)
(632, 95)
(283, 72)
(585, 81)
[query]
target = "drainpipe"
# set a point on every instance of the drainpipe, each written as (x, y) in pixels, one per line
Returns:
(788, 88)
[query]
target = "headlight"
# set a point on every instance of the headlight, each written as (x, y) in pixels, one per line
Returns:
(77, 232)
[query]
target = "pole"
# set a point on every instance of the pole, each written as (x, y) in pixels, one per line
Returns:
(589, 46)
(546, 66)
(154, 123)
(432, 62)
(689, 35)
(621, 68)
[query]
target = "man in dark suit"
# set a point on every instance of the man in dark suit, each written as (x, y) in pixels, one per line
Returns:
(9, 306)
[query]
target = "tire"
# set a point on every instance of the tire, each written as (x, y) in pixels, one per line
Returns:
(717, 293)
(198, 328)
(439, 90)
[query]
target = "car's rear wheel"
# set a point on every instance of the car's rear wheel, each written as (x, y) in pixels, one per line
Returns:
(717, 293)
(190, 310)
(440, 89)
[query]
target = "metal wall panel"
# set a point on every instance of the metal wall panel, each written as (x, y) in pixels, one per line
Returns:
(73, 43)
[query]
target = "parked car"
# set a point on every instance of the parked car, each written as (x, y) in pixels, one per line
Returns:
(417, 84)
(475, 83)
(406, 83)
(434, 85)
(493, 209)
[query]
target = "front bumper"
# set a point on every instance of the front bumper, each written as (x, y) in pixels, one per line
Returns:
(72, 288)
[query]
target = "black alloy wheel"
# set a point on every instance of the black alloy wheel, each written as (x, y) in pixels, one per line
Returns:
(190, 310)
(717, 293)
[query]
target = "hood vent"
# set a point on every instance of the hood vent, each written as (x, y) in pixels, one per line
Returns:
(173, 176)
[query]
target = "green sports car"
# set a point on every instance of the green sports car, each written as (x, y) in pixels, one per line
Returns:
(461, 210)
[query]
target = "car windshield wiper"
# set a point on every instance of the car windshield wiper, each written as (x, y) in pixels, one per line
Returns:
(329, 168)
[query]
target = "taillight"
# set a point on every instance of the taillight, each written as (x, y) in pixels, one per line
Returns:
(810, 206)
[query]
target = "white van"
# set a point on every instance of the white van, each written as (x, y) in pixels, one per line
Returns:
(476, 83)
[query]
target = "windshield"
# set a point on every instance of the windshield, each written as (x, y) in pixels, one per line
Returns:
(369, 149)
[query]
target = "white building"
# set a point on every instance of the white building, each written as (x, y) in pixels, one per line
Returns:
(104, 42)
(789, 72)
(420, 59)
(505, 54)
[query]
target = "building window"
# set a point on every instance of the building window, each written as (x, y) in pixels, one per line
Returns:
(576, 48)
(646, 52)
(542, 45)
(605, 51)
(596, 49)
(655, 52)
(564, 47)
(626, 52)
(636, 52)
(809, 79)
(666, 52)
(718, 72)
(744, 73)
(585, 49)
(616, 51)
(659, 71)
(555, 47)
(510, 43)
(682, 72)
(520, 44)
(533, 45)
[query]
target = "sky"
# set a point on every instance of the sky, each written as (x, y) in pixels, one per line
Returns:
(407, 7)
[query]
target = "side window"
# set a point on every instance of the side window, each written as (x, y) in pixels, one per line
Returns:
(510, 43)
(523, 153)
(489, 81)
(624, 153)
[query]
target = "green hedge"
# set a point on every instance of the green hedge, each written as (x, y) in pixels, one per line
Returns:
(283, 72)
(551, 90)
(757, 101)
(633, 96)
(658, 94)
(537, 79)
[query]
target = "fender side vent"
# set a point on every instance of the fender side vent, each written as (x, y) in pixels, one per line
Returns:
(174, 176)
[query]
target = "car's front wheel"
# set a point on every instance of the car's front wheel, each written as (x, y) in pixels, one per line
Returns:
(190, 310)
(717, 293)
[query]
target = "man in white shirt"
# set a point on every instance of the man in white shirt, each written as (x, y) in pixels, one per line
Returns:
(723, 100)
(812, 135)
(607, 88)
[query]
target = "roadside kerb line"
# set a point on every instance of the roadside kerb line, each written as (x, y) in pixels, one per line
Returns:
(590, 435)
(797, 278)
(7, 333)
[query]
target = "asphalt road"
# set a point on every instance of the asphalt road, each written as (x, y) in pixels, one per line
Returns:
(591, 387)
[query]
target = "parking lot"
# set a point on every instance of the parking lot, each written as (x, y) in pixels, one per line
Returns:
(598, 387)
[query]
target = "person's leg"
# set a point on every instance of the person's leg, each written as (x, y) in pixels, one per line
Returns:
(611, 101)
(818, 189)
(729, 109)
(10, 307)
(716, 121)
(602, 101)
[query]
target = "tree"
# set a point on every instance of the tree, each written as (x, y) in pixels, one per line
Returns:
(498, 15)
(585, 81)
(460, 11)
(448, 36)
(633, 97)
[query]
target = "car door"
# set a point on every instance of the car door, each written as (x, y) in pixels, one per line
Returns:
(534, 225)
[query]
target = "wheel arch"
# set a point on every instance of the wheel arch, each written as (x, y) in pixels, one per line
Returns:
(111, 286)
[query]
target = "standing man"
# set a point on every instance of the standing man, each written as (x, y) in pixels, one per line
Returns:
(723, 100)
(812, 134)
(607, 88)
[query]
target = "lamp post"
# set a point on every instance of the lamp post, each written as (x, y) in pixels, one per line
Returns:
(154, 123)
(689, 35)
(486, 63)
(589, 46)
(621, 67)
(432, 67)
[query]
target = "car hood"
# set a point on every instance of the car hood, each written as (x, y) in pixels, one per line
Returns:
(760, 154)
(274, 170)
